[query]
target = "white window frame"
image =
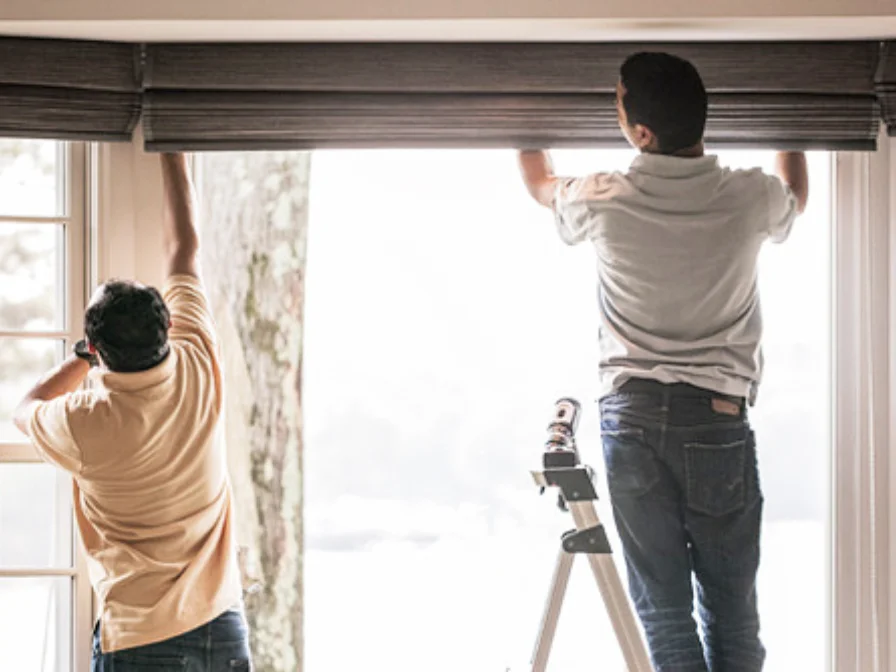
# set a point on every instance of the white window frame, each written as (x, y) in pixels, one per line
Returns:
(76, 187)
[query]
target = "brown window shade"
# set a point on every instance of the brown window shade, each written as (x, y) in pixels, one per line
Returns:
(263, 96)
(68, 89)
(261, 120)
(885, 85)
(800, 95)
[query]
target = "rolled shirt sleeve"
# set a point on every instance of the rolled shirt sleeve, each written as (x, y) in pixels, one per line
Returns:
(50, 431)
(577, 203)
(783, 209)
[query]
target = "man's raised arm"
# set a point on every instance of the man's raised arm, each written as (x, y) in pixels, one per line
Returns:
(538, 176)
(180, 237)
(791, 168)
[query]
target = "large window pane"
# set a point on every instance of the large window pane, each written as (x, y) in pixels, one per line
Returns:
(22, 362)
(31, 178)
(35, 517)
(31, 274)
(793, 432)
(36, 624)
(443, 319)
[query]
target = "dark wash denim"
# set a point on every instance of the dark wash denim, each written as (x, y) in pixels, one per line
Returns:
(219, 646)
(686, 497)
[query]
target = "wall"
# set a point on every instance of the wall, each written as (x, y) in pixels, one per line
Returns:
(129, 213)
(304, 10)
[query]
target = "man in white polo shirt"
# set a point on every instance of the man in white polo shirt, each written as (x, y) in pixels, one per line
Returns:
(677, 239)
(152, 497)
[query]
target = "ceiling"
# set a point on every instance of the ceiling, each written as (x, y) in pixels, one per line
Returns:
(816, 28)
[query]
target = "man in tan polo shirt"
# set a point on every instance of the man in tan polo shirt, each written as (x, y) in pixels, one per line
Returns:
(151, 493)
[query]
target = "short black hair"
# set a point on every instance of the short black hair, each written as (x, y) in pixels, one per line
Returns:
(666, 94)
(128, 325)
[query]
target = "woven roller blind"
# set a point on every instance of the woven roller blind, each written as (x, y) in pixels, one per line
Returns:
(266, 96)
(68, 89)
(885, 83)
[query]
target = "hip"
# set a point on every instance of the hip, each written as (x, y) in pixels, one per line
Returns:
(221, 644)
(650, 404)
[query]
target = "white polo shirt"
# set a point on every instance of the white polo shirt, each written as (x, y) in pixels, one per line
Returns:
(677, 242)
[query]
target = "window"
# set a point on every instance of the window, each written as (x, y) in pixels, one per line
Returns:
(443, 319)
(42, 283)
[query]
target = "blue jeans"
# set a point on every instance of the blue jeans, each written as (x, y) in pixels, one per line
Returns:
(219, 646)
(684, 485)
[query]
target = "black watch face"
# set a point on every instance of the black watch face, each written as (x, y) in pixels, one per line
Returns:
(81, 349)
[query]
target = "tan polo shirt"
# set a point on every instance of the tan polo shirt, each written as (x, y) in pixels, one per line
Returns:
(152, 497)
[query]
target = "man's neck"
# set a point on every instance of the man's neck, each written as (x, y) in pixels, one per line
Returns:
(694, 152)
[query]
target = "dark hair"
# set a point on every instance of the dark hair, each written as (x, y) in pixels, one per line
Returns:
(666, 94)
(128, 325)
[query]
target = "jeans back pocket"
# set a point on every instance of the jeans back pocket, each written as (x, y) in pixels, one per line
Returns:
(715, 476)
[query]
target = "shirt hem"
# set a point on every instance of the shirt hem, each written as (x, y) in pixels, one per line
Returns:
(611, 382)
(112, 644)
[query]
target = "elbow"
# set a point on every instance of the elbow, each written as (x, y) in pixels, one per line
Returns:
(543, 191)
(20, 415)
(182, 253)
(183, 260)
(184, 247)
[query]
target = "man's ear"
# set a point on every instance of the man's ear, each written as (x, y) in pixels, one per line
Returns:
(643, 137)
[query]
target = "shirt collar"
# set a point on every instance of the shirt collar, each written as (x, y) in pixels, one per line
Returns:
(663, 165)
(141, 380)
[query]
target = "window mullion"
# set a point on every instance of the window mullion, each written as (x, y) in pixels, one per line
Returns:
(24, 219)
(79, 190)
(31, 573)
(888, 214)
(17, 453)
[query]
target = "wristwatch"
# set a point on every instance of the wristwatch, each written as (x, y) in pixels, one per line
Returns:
(81, 350)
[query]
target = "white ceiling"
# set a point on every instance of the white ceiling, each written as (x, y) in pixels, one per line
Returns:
(817, 28)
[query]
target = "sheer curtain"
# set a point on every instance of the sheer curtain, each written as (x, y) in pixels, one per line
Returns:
(864, 396)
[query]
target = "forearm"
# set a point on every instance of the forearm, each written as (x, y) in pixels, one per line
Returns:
(65, 378)
(792, 169)
(180, 236)
(538, 176)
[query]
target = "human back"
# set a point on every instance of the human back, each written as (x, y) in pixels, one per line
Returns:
(677, 246)
(155, 509)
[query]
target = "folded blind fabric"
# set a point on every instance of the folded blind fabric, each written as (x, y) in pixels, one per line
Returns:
(800, 95)
(272, 96)
(885, 84)
(69, 89)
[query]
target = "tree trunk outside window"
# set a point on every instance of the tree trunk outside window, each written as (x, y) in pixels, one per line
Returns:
(254, 233)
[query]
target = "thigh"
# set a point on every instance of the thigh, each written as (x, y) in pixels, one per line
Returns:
(647, 508)
(724, 513)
